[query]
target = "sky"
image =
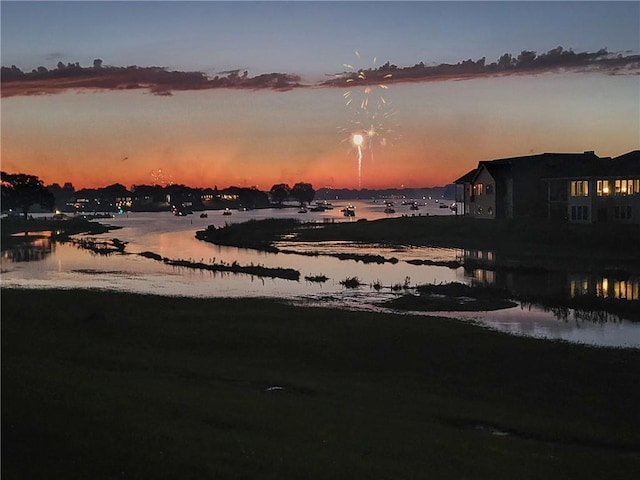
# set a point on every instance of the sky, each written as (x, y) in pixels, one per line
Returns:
(418, 132)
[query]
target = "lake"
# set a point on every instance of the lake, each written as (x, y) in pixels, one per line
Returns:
(47, 264)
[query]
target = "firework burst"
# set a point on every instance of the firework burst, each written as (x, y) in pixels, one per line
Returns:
(160, 177)
(371, 116)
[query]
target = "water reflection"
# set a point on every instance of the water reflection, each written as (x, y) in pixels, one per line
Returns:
(32, 249)
(45, 264)
(481, 267)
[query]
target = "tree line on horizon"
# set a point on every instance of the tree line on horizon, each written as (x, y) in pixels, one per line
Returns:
(27, 193)
(23, 192)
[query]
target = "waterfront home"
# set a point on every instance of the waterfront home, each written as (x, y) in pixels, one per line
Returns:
(573, 187)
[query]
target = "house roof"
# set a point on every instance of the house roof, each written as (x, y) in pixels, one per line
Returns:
(627, 164)
(467, 177)
(558, 165)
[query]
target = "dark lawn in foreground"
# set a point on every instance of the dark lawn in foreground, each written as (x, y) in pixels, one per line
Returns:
(111, 385)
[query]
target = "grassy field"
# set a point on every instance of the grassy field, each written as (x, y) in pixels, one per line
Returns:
(99, 385)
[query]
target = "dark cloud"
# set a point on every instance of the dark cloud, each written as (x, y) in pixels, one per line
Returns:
(160, 81)
(157, 80)
(527, 62)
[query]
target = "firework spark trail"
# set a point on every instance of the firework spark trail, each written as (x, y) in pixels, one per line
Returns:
(371, 112)
(357, 140)
(359, 166)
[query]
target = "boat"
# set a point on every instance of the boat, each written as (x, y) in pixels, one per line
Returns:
(453, 207)
(389, 209)
(226, 211)
(324, 205)
(349, 211)
(444, 205)
(303, 210)
(204, 215)
(414, 206)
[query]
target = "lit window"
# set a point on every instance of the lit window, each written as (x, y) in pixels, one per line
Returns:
(602, 288)
(580, 188)
(625, 187)
(477, 189)
(602, 187)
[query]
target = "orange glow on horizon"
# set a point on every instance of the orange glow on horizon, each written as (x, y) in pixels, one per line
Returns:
(246, 139)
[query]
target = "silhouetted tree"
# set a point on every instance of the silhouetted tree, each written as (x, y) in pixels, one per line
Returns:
(303, 192)
(21, 191)
(280, 192)
(97, 64)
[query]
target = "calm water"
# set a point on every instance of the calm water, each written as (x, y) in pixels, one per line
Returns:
(48, 264)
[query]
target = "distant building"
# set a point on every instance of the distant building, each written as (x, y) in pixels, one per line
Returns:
(574, 187)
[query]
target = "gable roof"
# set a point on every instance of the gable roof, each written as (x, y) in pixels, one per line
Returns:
(627, 164)
(557, 165)
(467, 177)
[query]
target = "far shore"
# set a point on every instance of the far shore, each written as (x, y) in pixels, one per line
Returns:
(105, 385)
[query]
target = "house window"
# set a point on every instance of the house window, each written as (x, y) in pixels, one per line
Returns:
(624, 212)
(579, 213)
(477, 189)
(627, 187)
(479, 210)
(489, 189)
(602, 187)
(580, 188)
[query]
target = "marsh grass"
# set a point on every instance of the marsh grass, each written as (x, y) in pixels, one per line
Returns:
(521, 244)
(316, 278)
(351, 282)
(110, 385)
(234, 267)
(255, 234)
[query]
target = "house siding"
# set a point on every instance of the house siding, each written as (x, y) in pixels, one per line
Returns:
(544, 187)
(483, 203)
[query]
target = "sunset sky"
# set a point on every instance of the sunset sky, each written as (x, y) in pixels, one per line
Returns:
(428, 132)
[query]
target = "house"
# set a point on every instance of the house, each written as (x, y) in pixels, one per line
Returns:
(574, 187)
